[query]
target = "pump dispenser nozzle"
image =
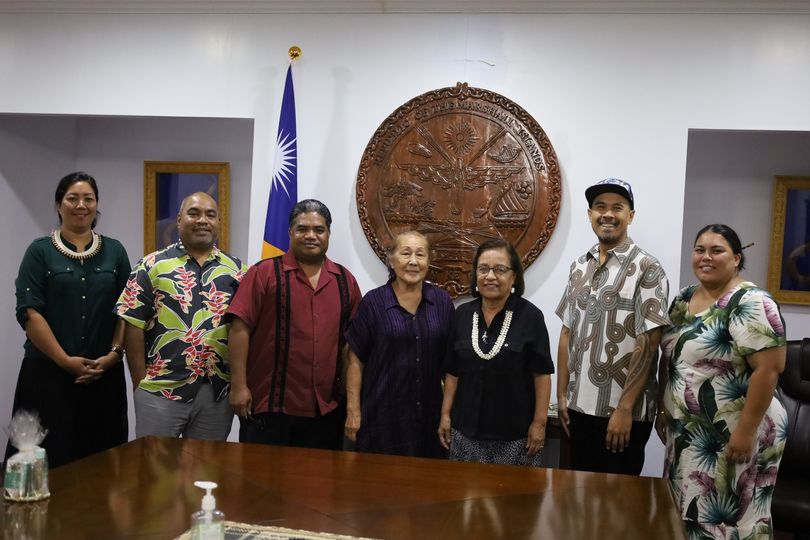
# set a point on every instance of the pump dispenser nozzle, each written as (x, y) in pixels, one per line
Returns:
(209, 503)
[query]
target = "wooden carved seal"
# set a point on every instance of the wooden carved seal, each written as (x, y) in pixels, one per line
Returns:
(461, 165)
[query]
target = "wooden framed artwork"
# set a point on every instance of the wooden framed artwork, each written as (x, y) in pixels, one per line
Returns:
(789, 263)
(167, 183)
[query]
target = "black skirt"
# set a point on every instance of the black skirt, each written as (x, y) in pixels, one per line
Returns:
(81, 419)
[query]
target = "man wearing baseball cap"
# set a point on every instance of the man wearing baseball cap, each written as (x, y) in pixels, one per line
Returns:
(612, 311)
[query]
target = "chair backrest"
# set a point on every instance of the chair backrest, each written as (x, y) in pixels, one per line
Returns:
(794, 392)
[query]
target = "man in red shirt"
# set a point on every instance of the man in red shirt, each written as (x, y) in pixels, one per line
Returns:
(286, 340)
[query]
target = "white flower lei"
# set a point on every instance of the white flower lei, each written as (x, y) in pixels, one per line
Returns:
(507, 320)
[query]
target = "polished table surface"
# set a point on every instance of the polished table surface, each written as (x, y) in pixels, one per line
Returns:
(145, 489)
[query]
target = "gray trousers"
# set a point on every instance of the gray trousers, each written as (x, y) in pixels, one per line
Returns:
(202, 418)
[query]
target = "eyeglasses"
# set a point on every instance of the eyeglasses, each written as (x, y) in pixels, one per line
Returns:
(74, 201)
(499, 270)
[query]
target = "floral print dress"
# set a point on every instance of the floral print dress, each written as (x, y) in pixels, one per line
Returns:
(705, 395)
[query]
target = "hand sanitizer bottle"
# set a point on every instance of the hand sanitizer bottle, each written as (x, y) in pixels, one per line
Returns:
(207, 523)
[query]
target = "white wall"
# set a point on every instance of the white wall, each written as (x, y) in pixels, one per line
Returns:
(32, 150)
(730, 179)
(113, 150)
(616, 94)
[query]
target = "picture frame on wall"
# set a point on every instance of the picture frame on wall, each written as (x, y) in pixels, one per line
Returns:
(789, 263)
(167, 183)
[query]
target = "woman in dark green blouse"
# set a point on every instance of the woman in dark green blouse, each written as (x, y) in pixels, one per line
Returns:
(72, 373)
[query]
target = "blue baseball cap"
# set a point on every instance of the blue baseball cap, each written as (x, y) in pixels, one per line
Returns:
(610, 185)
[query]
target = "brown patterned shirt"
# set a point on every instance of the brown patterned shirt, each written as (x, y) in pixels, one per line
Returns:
(605, 307)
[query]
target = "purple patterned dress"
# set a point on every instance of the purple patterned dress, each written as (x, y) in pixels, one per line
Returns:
(402, 356)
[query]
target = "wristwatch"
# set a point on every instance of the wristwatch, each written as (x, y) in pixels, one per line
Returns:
(118, 349)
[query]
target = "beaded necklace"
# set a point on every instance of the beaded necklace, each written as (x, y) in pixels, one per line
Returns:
(92, 249)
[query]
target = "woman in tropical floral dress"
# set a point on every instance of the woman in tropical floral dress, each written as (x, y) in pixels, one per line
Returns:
(723, 426)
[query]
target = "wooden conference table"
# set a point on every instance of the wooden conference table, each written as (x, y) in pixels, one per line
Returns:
(144, 489)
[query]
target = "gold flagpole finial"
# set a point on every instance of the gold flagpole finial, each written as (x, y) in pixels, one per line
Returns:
(294, 52)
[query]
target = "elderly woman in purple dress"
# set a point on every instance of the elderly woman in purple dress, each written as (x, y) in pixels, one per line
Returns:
(396, 344)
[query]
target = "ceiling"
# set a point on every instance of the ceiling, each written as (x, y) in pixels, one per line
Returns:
(408, 6)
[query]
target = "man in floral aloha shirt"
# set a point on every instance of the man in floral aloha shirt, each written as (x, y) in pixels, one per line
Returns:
(177, 334)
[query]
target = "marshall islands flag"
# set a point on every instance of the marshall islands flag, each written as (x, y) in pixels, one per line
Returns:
(284, 186)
